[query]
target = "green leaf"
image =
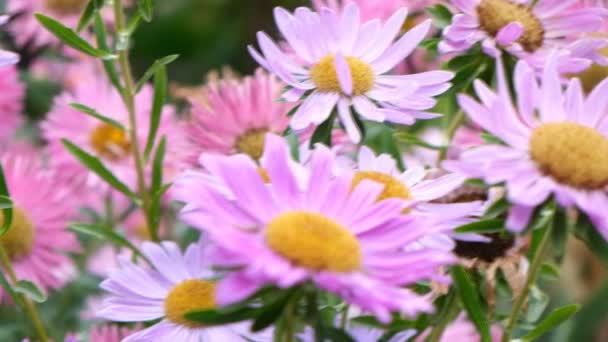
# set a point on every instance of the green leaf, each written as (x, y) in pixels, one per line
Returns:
(482, 227)
(550, 271)
(30, 290)
(70, 38)
(157, 182)
(160, 94)
(414, 140)
(102, 43)
(9, 289)
(88, 14)
(441, 15)
(92, 112)
(497, 209)
(95, 165)
(106, 234)
(5, 202)
(222, 316)
(146, 9)
(586, 232)
(491, 139)
(468, 293)
(430, 43)
(322, 133)
(154, 69)
(7, 212)
(271, 312)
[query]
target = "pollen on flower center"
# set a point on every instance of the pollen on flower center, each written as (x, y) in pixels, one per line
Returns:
(393, 188)
(66, 7)
(572, 154)
(18, 241)
(496, 14)
(251, 143)
(324, 75)
(110, 142)
(188, 296)
(313, 241)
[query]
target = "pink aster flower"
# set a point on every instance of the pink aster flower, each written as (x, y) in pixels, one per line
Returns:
(280, 223)
(555, 143)
(529, 31)
(38, 239)
(463, 330)
(109, 143)
(110, 333)
(7, 57)
(178, 284)
(236, 115)
(12, 93)
(339, 62)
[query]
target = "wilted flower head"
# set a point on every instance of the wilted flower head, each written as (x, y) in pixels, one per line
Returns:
(340, 62)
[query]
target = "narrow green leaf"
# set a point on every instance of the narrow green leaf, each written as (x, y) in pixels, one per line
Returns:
(154, 69)
(414, 140)
(441, 15)
(146, 9)
(102, 43)
(157, 169)
(498, 208)
(322, 133)
(160, 94)
(71, 38)
(30, 290)
(92, 112)
(7, 213)
(222, 316)
(88, 14)
(550, 271)
(468, 294)
(106, 234)
(9, 289)
(586, 231)
(482, 227)
(5, 202)
(95, 165)
(271, 312)
(555, 318)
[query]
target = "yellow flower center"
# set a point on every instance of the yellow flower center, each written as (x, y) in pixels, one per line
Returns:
(393, 188)
(313, 241)
(110, 142)
(66, 7)
(325, 77)
(252, 143)
(572, 154)
(188, 296)
(496, 14)
(18, 241)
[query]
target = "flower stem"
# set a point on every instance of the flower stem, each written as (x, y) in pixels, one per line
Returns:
(532, 274)
(451, 131)
(344, 319)
(290, 320)
(128, 96)
(449, 310)
(28, 305)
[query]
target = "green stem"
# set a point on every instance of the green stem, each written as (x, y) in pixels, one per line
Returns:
(290, 320)
(344, 319)
(532, 274)
(28, 305)
(128, 96)
(449, 310)
(451, 131)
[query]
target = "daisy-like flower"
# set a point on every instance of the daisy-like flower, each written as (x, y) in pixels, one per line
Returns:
(337, 61)
(463, 330)
(236, 115)
(528, 30)
(12, 92)
(179, 283)
(109, 143)
(38, 239)
(279, 223)
(555, 143)
(7, 57)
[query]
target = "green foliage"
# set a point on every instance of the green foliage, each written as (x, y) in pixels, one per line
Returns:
(7, 208)
(469, 295)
